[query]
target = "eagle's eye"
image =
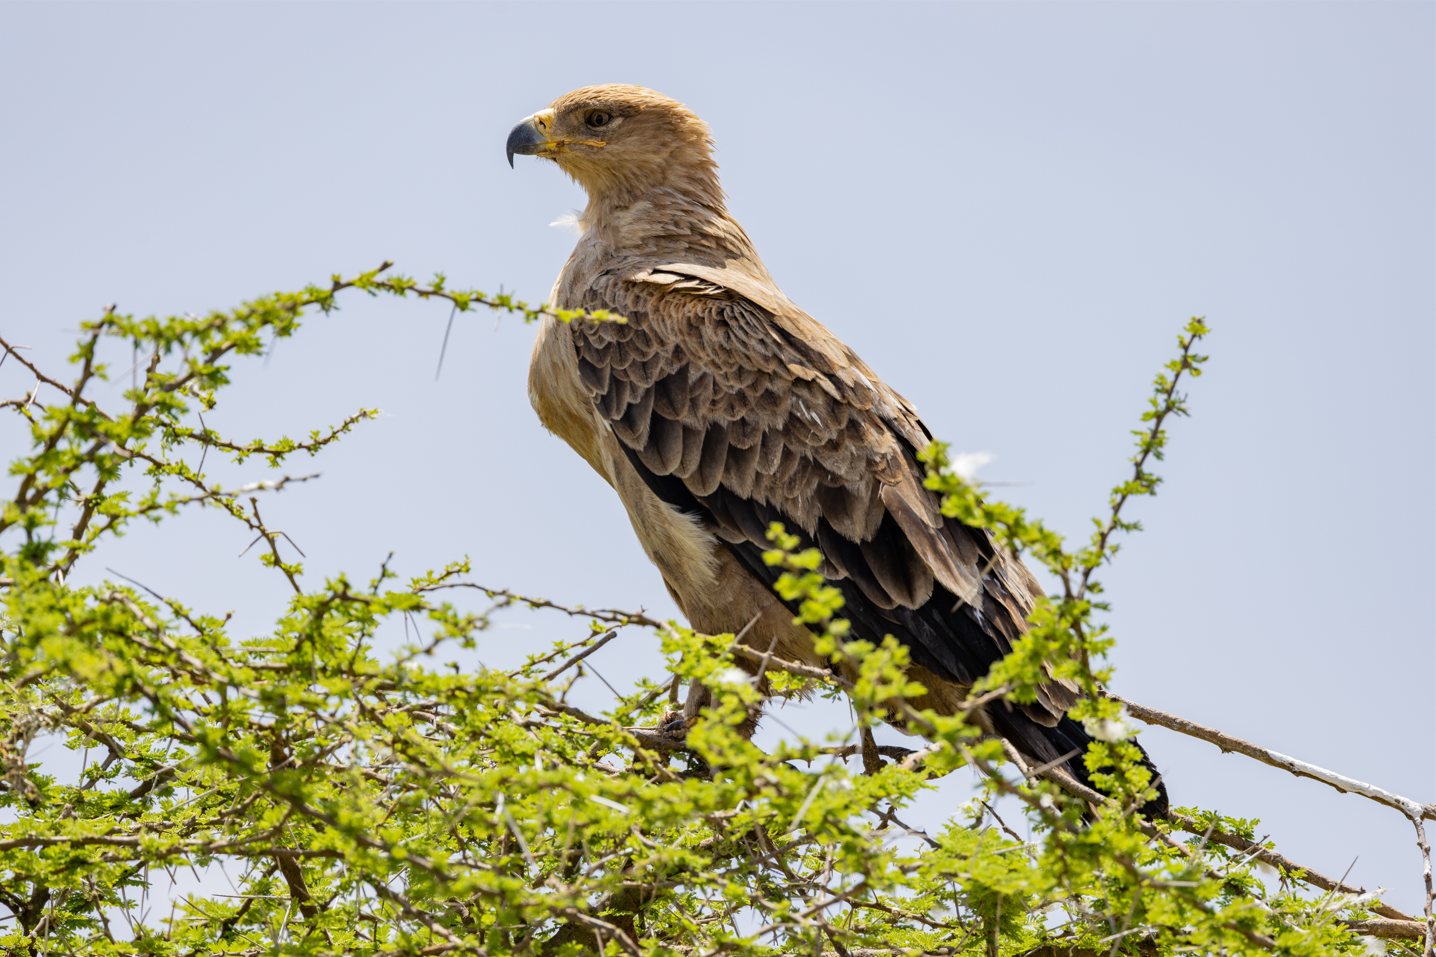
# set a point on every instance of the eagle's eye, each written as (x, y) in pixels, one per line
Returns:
(598, 118)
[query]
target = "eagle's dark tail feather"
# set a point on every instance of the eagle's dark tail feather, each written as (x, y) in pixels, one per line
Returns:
(953, 644)
(1044, 744)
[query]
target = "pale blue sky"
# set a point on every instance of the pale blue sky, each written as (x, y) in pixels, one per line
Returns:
(1007, 209)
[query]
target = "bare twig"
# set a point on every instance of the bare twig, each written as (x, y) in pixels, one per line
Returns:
(10, 351)
(445, 347)
(1300, 768)
(1426, 872)
(609, 616)
(791, 667)
(612, 634)
(1390, 929)
(270, 538)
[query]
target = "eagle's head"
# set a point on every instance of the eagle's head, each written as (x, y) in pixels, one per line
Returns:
(619, 141)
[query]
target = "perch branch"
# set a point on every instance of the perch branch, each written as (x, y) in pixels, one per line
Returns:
(1300, 768)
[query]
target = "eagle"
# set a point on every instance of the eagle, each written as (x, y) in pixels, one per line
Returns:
(720, 407)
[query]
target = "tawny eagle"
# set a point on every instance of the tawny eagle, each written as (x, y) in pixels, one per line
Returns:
(721, 407)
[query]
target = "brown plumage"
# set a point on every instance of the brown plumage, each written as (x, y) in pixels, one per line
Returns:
(720, 407)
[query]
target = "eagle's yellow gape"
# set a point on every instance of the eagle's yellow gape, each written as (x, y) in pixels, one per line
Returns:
(534, 137)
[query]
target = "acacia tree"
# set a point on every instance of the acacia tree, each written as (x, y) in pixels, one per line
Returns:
(379, 805)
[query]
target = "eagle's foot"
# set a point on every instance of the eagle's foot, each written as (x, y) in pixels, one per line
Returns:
(674, 724)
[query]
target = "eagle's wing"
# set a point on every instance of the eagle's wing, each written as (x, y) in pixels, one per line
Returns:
(733, 404)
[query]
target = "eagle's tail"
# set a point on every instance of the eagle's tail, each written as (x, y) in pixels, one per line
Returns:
(1042, 745)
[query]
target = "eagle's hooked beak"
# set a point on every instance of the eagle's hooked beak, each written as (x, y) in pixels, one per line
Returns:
(530, 136)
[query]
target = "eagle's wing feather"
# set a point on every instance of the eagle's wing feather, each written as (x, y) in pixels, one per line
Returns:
(733, 404)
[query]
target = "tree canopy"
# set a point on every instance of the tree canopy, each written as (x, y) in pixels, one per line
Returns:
(383, 804)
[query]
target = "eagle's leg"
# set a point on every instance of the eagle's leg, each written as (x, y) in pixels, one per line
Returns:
(718, 596)
(700, 697)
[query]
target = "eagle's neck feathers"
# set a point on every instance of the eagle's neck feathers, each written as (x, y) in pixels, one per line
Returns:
(665, 225)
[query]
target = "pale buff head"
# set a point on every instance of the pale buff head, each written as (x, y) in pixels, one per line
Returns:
(620, 141)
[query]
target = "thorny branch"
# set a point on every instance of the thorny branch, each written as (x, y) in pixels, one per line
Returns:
(1297, 767)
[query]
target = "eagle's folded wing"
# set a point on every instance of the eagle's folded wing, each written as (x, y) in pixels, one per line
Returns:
(733, 404)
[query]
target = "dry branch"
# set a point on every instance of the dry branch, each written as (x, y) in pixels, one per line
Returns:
(611, 616)
(1277, 760)
(1393, 929)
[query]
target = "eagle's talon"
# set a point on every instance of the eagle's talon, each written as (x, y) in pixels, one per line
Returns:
(673, 723)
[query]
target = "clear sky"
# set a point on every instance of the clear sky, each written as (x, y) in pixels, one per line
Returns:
(1008, 210)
